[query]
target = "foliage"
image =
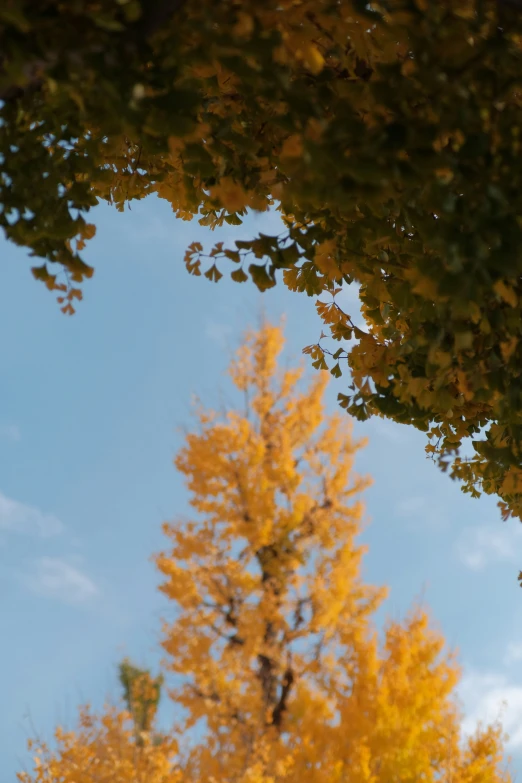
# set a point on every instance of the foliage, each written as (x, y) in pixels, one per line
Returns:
(276, 663)
(103, 749)
(141, 695)
(388, 136)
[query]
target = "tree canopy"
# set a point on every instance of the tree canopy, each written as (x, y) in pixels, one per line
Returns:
(141, 694)
(387, 135)
(273, 659)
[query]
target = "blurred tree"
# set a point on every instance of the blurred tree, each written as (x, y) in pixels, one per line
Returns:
(279, 674)
(141, 695)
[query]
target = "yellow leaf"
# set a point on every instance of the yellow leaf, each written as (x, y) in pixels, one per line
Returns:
(506, 293)
(508, 347)
(312, 58)
(292, 147)
(230, 194)
(244, 25)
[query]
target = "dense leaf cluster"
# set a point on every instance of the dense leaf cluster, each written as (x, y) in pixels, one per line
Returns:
(141, 695)
(387, 134)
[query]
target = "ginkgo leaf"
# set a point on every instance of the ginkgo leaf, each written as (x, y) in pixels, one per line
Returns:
(239, 276)
(385, 175)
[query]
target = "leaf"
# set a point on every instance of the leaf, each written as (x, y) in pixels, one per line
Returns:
(88, 231)
(344, 401)
(216, 250)
(506, 293)
(213, 274)
(463, 341)
(320, 364)
(288, 256)
(239, 276)
(292, 147)
(233, 255)
(108, 23)
(260, 277)
(313, 59)
(233, 220)
(194, 267)
(40, 272)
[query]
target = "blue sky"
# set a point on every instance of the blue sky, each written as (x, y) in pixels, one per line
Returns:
(91, 407)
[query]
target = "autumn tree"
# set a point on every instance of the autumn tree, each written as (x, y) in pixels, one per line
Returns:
(141, 695)
(275, 666)
(118, 746)
(387, 134)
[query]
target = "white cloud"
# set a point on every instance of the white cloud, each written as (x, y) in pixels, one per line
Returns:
(478, 547)
(390, 430)
(18, 517)
(10, 432)
(513, 653)
(57, 578)
(420, 511)
(488, 697)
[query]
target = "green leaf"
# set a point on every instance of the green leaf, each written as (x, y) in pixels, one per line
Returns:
(320, 363)
(344, 400)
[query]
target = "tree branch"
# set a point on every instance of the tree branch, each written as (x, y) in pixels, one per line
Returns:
(281, 706)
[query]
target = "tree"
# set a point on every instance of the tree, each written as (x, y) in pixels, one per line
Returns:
(103, 749)
(387, 136)
(278, 674)
(120, 746)
(141, 695)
